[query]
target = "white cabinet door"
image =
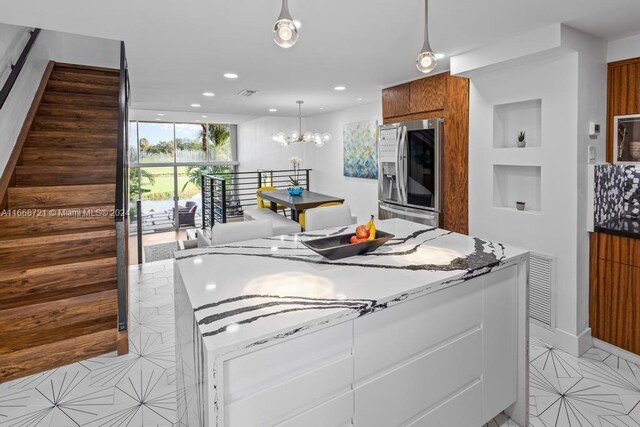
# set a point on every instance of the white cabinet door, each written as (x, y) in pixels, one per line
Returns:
(389, 337)
(337, 412)
(274, 384)
(462, 410)
(500, 352)
(417, 387)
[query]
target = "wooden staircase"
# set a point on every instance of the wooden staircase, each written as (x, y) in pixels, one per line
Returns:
(58, 281)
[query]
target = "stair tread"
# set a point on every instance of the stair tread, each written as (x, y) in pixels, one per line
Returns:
(58, 264)
(57, 236)
(72, 108)
(68, 75)
(57, 133)
(85, 68)
(62, 294)
(27, 339)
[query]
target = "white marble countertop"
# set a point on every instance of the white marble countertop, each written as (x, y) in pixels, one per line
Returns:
(250, 293)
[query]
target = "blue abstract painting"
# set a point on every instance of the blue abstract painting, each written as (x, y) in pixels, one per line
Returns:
(360, 149)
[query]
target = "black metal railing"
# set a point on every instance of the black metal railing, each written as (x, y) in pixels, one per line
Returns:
(121, 212)
(226, 195)
(17, 67)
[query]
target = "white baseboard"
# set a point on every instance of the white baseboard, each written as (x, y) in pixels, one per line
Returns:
(617, 351)
(572, 344)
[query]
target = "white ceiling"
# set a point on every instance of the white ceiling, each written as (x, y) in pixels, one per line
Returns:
(177, 49)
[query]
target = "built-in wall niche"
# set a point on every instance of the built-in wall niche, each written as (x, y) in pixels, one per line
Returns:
(511, 119)
(513, 184)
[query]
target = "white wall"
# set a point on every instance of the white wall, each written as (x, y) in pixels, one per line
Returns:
(592, 107)
(15, 109)
(50, 45)
(257, 150)
(570, 79)
(626, 48)
(552, 231)
(360, 194)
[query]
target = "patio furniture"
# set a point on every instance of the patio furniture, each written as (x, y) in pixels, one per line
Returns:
(186, 214)
(328, 217)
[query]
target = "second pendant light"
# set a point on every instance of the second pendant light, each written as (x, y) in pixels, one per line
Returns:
(285, 33)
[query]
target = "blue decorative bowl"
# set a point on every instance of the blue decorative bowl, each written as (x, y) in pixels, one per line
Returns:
(295, 191)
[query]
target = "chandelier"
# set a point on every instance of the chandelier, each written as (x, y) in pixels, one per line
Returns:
(316, 138)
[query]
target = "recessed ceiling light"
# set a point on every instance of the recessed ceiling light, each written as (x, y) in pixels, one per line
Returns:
(208, 94)
(322, 108)
(161, 114)
(204, 117)
(273, 110)
(359, 99)
(340, 88)
(230, 76)
(439, 55)
(198, 121)
(195, 105)
(158, 119)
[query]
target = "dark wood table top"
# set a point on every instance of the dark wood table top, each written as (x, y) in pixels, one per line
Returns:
(307, 200)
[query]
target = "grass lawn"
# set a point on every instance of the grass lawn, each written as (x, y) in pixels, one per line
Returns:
(163, 186)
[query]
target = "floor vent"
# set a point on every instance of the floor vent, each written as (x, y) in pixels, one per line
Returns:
(541, 285)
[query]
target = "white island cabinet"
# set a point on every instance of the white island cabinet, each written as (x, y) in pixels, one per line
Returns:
(431, 330)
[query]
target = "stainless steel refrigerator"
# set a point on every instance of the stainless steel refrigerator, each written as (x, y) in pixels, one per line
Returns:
(410, 171)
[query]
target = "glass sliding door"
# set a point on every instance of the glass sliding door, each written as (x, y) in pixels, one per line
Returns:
(167, 162)
(158, 198)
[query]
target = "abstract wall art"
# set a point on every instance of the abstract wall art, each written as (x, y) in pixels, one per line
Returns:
(360, 149)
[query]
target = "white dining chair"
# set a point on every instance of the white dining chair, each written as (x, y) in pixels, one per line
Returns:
(240, 231)
(328, 217)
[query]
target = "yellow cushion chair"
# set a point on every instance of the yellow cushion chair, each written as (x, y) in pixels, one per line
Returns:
(325, 205)
(265, 205)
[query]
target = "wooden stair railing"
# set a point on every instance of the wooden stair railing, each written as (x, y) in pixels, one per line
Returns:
(59, 285)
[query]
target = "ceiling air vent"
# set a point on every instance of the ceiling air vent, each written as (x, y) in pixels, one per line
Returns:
(541, 289)
(247, 92)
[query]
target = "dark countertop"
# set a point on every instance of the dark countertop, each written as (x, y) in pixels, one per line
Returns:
(626, 227)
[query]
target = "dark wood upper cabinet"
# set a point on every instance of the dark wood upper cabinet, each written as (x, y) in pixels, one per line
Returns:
(428, 94)
(396, 100)
(623, 95)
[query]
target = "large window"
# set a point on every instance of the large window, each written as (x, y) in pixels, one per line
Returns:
(166, 165)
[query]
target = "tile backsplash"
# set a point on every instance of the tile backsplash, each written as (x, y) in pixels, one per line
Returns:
(617, 192)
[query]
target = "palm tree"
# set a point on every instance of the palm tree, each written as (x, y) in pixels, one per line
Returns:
(214, 135)
(194, 174)
(135, 186)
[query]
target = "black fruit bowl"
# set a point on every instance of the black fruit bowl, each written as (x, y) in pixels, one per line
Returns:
(338, 247)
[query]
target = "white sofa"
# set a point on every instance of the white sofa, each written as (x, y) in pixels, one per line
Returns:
(281, 224)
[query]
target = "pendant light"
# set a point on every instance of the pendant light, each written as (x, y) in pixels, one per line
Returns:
(426, 61)
(285, 33)
(292, 137)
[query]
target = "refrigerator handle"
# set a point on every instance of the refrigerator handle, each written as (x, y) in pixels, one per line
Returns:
(398, 167)
(402, 166)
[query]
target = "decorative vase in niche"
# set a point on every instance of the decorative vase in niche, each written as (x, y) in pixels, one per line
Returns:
(520, 206)
(634, 150)
(295, 191)
(522, 142)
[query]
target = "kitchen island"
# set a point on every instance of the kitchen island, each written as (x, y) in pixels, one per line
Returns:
(429, 330)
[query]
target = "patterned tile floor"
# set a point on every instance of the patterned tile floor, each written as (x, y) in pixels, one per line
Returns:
(138, 389)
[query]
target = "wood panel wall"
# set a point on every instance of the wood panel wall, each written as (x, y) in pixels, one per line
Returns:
(440, 96)
(614, 290)
(623, 95)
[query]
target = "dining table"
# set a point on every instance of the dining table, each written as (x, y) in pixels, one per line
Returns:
(297, 204)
